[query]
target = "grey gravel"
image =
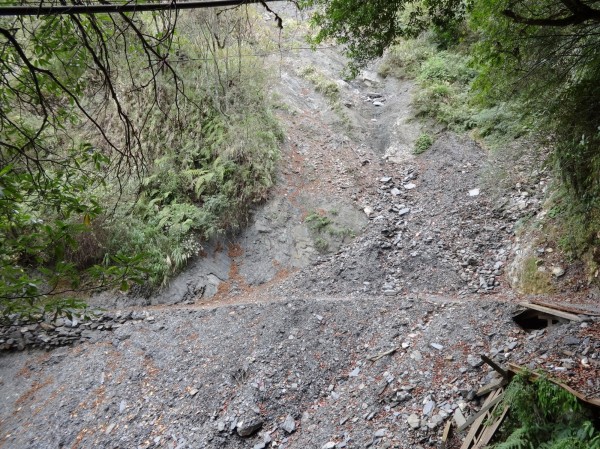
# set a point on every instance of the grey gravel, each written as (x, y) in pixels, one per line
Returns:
(292, 330)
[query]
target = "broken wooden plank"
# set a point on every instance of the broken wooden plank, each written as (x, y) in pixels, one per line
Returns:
(492, 399)
(496, 397)
(493, 385)
(490, 430)
(564, 308)
(446, 434)
(494, 365)
(550, 311)
(516, 369)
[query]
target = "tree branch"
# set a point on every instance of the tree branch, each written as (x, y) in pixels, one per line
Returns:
(581, 13)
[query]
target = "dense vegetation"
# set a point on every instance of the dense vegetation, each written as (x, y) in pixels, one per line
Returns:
(505, 70)
(125, 142)
(544, 416)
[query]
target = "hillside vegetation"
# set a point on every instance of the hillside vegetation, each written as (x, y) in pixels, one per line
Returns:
(125, 143)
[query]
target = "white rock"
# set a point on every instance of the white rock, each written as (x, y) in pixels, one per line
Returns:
(370, 76)
(355, 372)
(414, 421)
(473, 192)
(416, 355)
(409, 186)
(459, 418)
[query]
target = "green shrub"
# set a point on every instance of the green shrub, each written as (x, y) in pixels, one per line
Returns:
(423, 143)
(405, 58)
(321, 245)
(328, 88)
(448, 67)
(317, 221)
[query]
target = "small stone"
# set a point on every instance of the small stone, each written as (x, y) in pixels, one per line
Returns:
(429, 406)
(437, 346)
(194, 392)
(572, 341)
(435, 421)
(416, 356)
(395, 191)
(329, 445)
(355, 372)
(380, 433)
(402, 396)
(409, 186)
(404, 211)
(474, 361)
(414, 421)
(289, 425)
(474, 192)
(122, 406)
(558, 271)
(368, 211)
(248, 426)
(459, 418)
(221, 426)
(386, 179)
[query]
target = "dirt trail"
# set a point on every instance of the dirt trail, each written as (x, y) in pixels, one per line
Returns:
(363, 249)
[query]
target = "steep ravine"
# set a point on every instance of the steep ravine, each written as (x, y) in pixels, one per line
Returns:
(349, 314)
